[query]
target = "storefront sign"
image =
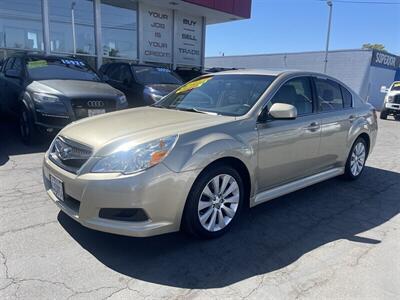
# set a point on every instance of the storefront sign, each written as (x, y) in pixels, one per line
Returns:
(188, 39)
(157, 34)
(385, 60)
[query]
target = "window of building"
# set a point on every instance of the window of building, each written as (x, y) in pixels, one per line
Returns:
(21, 24)
(61, 26)
(329, 95)
(298, 93)
(119, 29)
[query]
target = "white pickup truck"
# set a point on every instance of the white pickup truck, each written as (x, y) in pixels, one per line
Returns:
(391, 105)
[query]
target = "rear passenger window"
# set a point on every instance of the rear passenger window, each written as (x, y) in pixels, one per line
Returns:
(329, 95)
(347, 98)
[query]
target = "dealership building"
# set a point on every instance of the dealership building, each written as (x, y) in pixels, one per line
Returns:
(365, 71)
(166, 32)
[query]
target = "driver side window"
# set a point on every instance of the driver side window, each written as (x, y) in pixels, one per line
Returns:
(297, 92)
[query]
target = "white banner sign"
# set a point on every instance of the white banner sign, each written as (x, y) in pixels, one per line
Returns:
(157, 34)
(188, 39)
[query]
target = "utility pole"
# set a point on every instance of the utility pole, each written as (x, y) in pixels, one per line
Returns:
(73, 26)
(330, 4)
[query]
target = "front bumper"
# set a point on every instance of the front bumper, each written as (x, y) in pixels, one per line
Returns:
(392, 106)
(160, 192)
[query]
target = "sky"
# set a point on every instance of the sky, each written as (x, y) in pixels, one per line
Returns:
(279, 26)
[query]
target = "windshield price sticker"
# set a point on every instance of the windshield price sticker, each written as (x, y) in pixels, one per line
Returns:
(37, 64)
(73, 62)
(193, 85)
(163, 70)
(397, 84)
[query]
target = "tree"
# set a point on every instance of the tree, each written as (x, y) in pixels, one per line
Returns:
(374, 47)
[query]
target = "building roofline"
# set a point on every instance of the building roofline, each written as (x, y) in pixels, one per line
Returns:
(302, 52)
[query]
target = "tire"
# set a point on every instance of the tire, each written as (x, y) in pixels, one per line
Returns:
(27, 128)
(355, 163)
(383, 114)
(397, 117)
(211, 216)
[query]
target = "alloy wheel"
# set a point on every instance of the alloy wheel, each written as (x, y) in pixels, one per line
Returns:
(218, 202)
(358, 159)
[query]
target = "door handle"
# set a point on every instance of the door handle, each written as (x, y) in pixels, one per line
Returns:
(314, 126)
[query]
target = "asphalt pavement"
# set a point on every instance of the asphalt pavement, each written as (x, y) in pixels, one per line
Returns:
(334, 240)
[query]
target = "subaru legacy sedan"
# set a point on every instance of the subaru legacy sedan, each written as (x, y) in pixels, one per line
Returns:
(196, 158)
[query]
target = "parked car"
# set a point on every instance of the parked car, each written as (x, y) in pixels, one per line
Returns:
(142, 84)
(188, 74)
(49, 92)
(391, 104)
(213, 146)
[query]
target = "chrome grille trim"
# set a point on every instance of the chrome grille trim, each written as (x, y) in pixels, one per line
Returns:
(69, 155)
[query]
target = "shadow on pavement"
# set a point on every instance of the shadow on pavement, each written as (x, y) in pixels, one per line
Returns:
(268, 237)
(10, 141)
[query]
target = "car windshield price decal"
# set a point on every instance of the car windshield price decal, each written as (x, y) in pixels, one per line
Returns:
(73, 62)
(396, 84)
(193, 85)
(163, 70)
(37, 64)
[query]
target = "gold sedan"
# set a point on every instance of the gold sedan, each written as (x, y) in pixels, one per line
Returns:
(198, 156)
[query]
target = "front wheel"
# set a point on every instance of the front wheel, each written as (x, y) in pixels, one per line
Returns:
(214, 202)
(356, 161)
(397, 117)
(28, 130)
(383, 114)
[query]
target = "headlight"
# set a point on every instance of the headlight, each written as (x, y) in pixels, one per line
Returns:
(45, 98)
(131, 159)
(122, 99)
(390, 99)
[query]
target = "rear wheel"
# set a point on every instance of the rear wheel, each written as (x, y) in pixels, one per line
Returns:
(214, 202)
(28, 130)
(356, 161)
(384, 114)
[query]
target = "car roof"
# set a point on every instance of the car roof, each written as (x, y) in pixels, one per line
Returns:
(267, 72)
(41, 56)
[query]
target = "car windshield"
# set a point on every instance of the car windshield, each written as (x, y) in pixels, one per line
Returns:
(59, 68)
(231, 95)
(152, 75)
(396, 86)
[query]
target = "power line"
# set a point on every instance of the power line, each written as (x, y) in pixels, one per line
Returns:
(363, 2)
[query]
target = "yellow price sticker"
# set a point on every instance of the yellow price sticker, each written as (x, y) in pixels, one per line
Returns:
(37, 64)
(193, 85)
(397, 84)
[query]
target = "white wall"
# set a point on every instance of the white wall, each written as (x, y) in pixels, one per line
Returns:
(350, 66)
(378, 78)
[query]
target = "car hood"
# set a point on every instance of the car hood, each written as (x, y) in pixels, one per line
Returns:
(394, 93)
(163, 89)
(75, 88)
(137, 125)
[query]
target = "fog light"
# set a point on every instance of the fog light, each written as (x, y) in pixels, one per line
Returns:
(124, 214)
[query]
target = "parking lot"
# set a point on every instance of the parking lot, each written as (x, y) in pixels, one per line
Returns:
(334, 240)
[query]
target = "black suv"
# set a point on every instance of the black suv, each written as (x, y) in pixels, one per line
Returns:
(49, 92)
(142, 84)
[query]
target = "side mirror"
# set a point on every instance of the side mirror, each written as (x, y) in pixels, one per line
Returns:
(12, 74)
(127, 82)
(105, 78)
(283, 111)
(384, 89)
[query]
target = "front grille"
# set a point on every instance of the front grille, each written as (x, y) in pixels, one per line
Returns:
(68, 154)
(81, 106)
(397, 99)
